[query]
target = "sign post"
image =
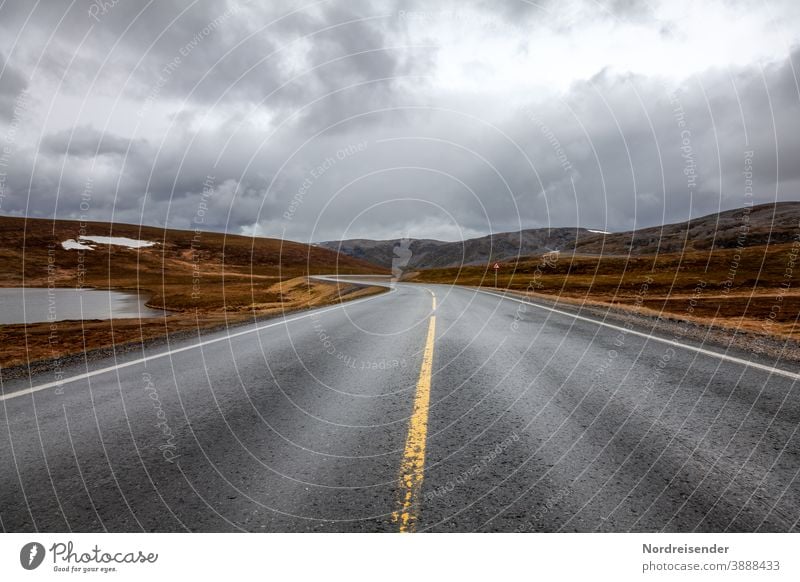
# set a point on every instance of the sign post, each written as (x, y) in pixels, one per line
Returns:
(496, 268)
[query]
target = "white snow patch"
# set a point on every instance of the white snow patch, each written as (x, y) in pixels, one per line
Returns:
(72, 245)
(598, 231)
(121, 241)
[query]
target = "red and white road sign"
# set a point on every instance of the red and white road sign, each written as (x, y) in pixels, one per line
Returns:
(496, 266)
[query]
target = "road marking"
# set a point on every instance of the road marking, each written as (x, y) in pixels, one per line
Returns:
(99, 371)
(655, 338)
(412, 467)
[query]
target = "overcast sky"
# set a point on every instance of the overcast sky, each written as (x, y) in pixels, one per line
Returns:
(344, 119)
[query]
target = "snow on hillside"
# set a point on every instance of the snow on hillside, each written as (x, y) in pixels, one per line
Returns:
(121, 241)
(131, 243)
(72, 245)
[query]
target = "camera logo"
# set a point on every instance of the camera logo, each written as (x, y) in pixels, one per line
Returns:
(31, 555)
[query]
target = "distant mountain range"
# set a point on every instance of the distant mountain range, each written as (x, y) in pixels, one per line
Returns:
(750, 226)
(429, 254)
(756, 225)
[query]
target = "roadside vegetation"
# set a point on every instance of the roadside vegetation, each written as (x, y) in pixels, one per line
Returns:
(754, 288)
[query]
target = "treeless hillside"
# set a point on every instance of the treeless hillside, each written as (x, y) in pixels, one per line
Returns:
(180, 264)
(202, 279)
(743, 278)
(744, 227)
(428, 254)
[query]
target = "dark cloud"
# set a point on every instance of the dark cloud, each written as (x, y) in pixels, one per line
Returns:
(331, 122)
(87, 142)
(12, 84)
(646, 154)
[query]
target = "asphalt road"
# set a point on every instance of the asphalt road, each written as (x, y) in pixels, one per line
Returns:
(523, 419)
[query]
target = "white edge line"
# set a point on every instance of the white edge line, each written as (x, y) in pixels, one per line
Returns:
(655, 338)
(282, 321)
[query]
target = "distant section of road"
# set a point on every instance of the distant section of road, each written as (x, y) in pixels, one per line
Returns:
(371, 416)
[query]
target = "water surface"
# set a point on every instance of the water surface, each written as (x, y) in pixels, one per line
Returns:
(32, 305)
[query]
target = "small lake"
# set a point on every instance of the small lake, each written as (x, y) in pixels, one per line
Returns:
(32, 305)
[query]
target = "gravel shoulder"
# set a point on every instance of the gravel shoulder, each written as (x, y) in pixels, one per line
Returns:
(747, 340)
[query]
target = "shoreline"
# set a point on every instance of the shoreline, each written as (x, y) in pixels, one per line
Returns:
(219, 322)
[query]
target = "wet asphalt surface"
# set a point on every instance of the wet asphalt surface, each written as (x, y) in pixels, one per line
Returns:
(537, 422)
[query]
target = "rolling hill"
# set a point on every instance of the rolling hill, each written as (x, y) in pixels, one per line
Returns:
(744, 227)
(428, 254)
(202, 280)
(31, 250)
(735, 270)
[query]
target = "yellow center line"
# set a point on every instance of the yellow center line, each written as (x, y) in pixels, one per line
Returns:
(412, 467)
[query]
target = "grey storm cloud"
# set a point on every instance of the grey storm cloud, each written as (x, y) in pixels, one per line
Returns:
(12, 84)
(87, 142)
(346, 119)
